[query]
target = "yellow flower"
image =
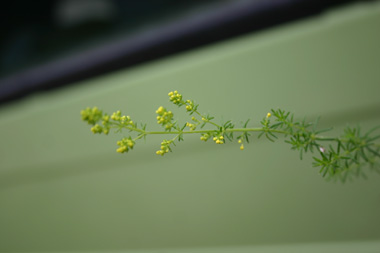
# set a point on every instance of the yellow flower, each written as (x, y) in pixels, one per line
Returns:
(96, 129)
(219, 142)
(160, 110)
(121, 149)
(205, 137)
(106, 118)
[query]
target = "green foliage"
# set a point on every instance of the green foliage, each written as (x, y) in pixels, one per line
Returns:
(339, 158)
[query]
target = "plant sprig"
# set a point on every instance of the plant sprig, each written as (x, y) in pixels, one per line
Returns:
(339, 158)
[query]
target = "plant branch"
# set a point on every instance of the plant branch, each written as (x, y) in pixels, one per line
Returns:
(340, 158)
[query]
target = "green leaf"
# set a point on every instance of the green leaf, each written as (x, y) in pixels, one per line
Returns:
(246, 135)
(317, 160)
(373, 138)
(371, 130)
(325, 172)
(274, 126)
(372, 151)
(246, 123)
(363, 155)
(324, 130)
(268, 137)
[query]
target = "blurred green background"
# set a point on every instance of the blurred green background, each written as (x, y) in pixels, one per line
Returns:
(64, 189)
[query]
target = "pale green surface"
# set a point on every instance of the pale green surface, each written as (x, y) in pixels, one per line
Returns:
(63, 189)
(335, 247)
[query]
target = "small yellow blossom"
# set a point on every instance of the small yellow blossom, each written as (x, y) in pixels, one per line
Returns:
(175, 97)
(106, 118)
(116, 115)
(96, 129)
(205, 137)
(164, 118)
(165, 147)
(121, 149)
(191, 126)
(91, 115)
(160, 110)
(219, 142)
(125, 144)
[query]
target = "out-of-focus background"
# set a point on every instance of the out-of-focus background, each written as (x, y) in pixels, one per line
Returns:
(64, 189)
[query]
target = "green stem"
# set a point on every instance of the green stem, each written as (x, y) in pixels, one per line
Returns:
(321, 138)
(207, 121)
(208, 131)
(258, 129)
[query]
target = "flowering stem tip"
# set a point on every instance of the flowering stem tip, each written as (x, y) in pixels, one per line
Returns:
(336, 157)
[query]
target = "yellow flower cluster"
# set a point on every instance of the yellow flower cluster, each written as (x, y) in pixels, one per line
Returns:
(165, 147)
(106, 119)
(191, 126)
(164, 118)
(116, 115)
(97, 129)
(205, 137)
(106, 124)
(91, 115)
(175, 97)
(189, 105)
(126, 120)
(219, 139)
(125, 144)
